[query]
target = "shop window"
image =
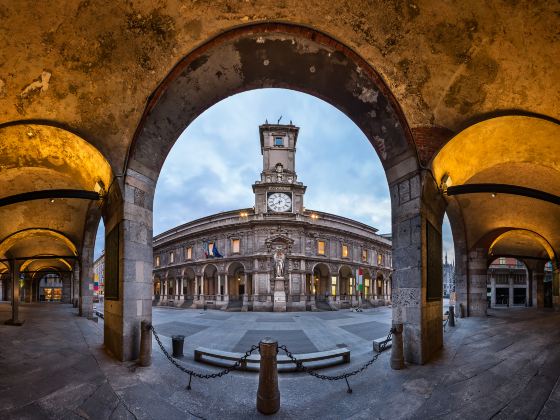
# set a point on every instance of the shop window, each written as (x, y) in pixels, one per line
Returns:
(351, 286)
(321, 247)
(235, 246)
(188, 253)
(344, 251)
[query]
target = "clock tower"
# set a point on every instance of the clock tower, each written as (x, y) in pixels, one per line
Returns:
(278, 191)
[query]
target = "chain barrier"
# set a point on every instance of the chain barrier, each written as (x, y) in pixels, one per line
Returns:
(345, 376)
(192, 373)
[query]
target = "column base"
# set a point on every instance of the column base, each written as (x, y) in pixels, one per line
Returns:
(16, 323)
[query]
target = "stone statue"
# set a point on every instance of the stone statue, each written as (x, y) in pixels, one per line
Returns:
(279, 258)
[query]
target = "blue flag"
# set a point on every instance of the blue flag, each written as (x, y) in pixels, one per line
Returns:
(215, 251)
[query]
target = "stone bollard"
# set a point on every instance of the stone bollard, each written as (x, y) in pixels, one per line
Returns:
(268, 395)
(451, 316)
(397, 350)
(145, 358)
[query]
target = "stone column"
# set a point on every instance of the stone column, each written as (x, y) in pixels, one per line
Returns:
(14, 320)
(181, 289)
(556, 289)
(493, 291)
(478, 270)
(66, 288)
(195, 294)
(337, 287)
(415, 202)
(511, 287)
(219, 294)
(86, 290)
(226, 299)
(128, 223)
(246, 284)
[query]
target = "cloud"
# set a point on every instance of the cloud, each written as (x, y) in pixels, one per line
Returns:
(217, 158)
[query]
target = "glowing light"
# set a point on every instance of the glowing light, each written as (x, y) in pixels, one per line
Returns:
(493, 195)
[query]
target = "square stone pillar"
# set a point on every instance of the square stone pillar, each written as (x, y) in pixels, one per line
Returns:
(181, 289)
(15, 298)
(493, 291)
(128, 224)
(511, 287)
(226, 280)
(478, 271)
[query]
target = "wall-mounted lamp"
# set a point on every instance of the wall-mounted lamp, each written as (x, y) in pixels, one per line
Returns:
(445, 182)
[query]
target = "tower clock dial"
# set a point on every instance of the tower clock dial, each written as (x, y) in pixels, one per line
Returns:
(279, 202)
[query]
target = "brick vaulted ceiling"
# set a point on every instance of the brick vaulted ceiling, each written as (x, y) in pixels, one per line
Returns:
(91, 66)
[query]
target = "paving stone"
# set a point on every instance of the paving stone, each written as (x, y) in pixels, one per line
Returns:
(368, 330)
(178, 328)
(296, 340)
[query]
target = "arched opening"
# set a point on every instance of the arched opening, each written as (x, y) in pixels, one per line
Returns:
(508, 283)
(321, 282)
(237, 283)
(501, 200)
(279, 55)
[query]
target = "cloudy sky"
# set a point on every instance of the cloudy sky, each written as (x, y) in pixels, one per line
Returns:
(217, 158)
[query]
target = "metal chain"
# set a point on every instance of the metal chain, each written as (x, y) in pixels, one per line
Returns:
(192, 373)
(345, 376)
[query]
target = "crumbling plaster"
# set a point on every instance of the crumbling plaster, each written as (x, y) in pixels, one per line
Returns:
(446, 62)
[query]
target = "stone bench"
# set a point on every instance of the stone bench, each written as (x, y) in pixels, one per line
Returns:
(319, 359)
(379, 341)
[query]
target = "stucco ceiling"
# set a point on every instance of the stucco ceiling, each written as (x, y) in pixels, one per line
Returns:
(513, 150)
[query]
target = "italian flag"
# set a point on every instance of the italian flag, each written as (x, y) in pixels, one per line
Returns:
(359, 280)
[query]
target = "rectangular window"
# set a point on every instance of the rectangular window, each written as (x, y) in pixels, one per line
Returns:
(344, 251)
(364, 255)
(379, 259)
(502, 261)
(210, 249)
(333, 286)
(235, 246)
(279, 141)
(351, 286)
(321, 247)
(171, 258)
(157, 261)
(188, 253)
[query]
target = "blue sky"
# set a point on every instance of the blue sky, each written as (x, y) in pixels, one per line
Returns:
(217, 158)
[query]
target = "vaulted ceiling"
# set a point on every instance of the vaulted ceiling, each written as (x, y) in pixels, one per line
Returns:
(89, 68)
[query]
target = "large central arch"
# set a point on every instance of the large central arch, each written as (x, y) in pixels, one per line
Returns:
(269, 55)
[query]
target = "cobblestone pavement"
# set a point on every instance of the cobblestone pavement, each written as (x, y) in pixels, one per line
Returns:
(503, 366)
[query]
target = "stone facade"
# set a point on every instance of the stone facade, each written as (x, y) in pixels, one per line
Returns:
(508, 284)
(276, 256)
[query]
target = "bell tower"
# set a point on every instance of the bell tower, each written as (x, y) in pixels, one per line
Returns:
(278, 190)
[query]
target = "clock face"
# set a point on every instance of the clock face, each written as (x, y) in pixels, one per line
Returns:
(279, 202)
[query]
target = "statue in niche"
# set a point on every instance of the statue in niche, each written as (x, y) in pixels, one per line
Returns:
(279, 258)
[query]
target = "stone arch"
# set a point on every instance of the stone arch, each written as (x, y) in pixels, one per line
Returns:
(237, 284)
(210, 274)
(8, 242)
(346, 276)
(270, 54)
(281, 55)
